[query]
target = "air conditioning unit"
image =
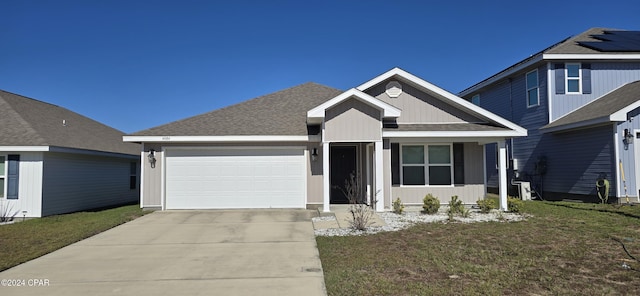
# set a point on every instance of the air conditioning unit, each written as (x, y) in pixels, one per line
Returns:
(524, 189)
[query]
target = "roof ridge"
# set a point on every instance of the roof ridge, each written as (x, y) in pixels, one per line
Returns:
(274, 94)
(21, 119)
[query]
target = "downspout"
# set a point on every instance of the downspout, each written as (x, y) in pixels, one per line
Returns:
(511, 119)
(616, 148)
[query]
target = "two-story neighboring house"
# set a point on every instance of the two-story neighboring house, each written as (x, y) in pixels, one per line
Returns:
(579, 99)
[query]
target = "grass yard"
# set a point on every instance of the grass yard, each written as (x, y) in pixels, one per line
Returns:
(23, 241)
(564, 249)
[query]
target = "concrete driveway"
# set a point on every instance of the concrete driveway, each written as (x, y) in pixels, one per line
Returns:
(235, 252)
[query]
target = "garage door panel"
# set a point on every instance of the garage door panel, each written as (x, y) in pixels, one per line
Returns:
(242, 178)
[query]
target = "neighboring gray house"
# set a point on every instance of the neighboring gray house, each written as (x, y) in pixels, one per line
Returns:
(579, 99)
(398, 134)
(55, 161)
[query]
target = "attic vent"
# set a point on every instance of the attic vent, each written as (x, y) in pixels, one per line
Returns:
(394, 89)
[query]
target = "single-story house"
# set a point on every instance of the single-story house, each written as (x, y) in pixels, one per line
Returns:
(397, 134)
(55, 161)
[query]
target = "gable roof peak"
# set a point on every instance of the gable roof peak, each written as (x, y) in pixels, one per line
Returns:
(316, 114)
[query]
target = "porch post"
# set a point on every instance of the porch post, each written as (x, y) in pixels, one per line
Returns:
(502, 173)
(326, 185)
(379, 175)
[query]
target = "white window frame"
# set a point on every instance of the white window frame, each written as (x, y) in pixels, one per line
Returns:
(3, 176)
(567, 78)
(426, 164)
(529, 88)
(476, 99)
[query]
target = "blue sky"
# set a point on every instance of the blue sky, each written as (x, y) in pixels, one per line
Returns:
(134, 65)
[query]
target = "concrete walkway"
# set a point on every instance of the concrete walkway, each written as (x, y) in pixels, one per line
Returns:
(340, 217)
(236, 252)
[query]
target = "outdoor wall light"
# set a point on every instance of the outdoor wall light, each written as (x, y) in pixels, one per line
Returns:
(628, 137)
(314, 154)
(152, 158)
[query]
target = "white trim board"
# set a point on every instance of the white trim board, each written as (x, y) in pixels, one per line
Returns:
(199, 139)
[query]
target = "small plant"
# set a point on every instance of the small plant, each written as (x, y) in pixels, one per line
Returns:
(430, 204)
(465, 213)
(6, 213)
(514, 205)
(361, 215)
(398, 206)
(486, 205)
(456, 207)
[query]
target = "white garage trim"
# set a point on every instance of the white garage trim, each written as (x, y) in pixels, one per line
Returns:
(248, 180)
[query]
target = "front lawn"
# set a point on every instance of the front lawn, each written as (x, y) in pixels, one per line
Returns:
(564, 249)
(23, 241)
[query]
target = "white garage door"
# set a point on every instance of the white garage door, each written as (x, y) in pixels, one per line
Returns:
(235, 178)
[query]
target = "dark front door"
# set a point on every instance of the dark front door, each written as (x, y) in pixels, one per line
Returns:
(343, 163)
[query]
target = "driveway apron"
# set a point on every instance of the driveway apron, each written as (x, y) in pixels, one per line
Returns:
(217, 252)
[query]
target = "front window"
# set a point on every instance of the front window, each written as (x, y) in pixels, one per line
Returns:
(2, 175)
(426, 165)
(413, 165)
(476, 99)
(532, 89)
(573, 84)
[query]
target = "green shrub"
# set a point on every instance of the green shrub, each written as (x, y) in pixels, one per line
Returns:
(430, 204)
(456, 207)
(398, 206)
(514, 205)
(486, 205)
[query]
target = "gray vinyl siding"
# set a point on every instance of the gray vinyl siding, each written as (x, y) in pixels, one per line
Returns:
(314, 175)
(508, 98)
(29, 201)
(152, 178)
(605, 77)
(628, 155)
(74, 182)
(576, 159)
(419, 107)
(353, 121)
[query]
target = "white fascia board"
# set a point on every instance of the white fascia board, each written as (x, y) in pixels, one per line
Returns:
(388, 110)
(24, 148)
(621, 115)
(455, 134)
(380, 78)
(502, 75)
(449, 139)
(568, 56)
(196, 139)
(447, 96)
(92, 152)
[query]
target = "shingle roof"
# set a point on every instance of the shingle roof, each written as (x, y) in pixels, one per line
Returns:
(279, 113)
(453, 127)
(573, 46)
(29, 122)
(599, 110)
(569, 45)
